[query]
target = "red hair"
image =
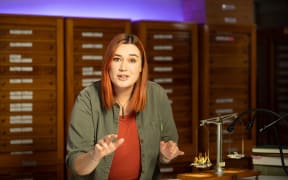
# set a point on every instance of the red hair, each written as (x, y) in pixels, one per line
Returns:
(138, 98)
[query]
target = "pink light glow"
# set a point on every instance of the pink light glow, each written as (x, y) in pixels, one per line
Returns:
(129, 9)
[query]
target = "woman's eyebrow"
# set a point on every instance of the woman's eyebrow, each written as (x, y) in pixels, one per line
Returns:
(129, 55)
(133, 55)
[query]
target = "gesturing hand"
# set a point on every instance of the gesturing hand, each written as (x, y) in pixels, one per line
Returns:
(169, 150)
(106, 145)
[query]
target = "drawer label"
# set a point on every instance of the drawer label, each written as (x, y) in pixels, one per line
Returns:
(162, 36)
(163, 69)
(21, 130)
(21, 95)
(92, 46)
(20, 32)
(89, 71)
(163, 47)
(17, 58)
(21, 81)
(20, 69)
(21, 44)
(163, 58)
(19, 107)
(92, 34)
(92, 57)
(163, 80)
(21, 141)
(21, 119)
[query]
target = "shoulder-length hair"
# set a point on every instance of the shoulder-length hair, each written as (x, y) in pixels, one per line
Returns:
(138, 97)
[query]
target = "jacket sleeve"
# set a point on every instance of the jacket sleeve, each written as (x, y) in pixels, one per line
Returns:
(168, 126)
(80, 132)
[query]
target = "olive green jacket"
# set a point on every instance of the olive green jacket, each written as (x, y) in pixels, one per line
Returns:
(90, 121)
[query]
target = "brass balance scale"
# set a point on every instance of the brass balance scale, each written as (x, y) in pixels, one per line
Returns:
(203, 161)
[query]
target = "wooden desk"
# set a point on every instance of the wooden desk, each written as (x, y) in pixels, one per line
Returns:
(229, 174)
(202, 175)
(242, 173)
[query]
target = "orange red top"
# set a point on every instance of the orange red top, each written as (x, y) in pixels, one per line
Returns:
(126, 163)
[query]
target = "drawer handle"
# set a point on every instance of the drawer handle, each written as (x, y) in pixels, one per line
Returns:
(230, 20)
(29, 163)
(228, 7)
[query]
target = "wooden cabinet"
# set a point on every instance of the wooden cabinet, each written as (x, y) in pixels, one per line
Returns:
(219, 12)
(273, 84)
(86, 41)
(173, 63)
(31, 92)
(227, 84)
(38, 172)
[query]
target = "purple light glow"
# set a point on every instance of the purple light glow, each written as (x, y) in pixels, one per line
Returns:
(129, 9)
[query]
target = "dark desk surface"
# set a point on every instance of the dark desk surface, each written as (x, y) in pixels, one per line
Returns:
(229, 174)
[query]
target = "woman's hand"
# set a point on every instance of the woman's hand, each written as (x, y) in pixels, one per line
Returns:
(105, 146)
(85, 163)
(168, 151)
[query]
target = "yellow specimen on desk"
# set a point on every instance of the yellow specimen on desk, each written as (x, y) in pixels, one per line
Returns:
(202, 161)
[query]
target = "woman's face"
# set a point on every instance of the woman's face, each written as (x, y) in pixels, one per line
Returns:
(125, 67)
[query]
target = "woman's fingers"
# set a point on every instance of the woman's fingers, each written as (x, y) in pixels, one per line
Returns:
(170, 150)
(108, 144)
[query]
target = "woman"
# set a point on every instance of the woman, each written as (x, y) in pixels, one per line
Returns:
(122, 126)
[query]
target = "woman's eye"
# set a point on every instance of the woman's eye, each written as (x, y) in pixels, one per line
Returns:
(132, 60)
(116, 59)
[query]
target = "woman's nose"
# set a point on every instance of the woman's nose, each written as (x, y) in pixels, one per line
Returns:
(123, 65)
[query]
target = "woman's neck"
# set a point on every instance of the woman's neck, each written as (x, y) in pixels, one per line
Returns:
(123, 95)
(122, 99)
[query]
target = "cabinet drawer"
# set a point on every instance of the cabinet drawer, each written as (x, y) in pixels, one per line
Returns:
(228, 109)
(229, 11)
(33, 119)
(88, 59)
(90, 47)
(169, 48)
(27, 70)
(28, 82)
(220, 61)
(173, 91)
(229, 38)
(27, 95)
(98, 32)
(45, 47)
(81, 82)
(229, 76)
(219, 12)
(27, 131)
(27, 144)
(26, 32)
(175, 80)
(183, 68)
(49, 172)
(167, 36)
(17, 159)
(27, 59)
(28, 107)
(86, 70)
